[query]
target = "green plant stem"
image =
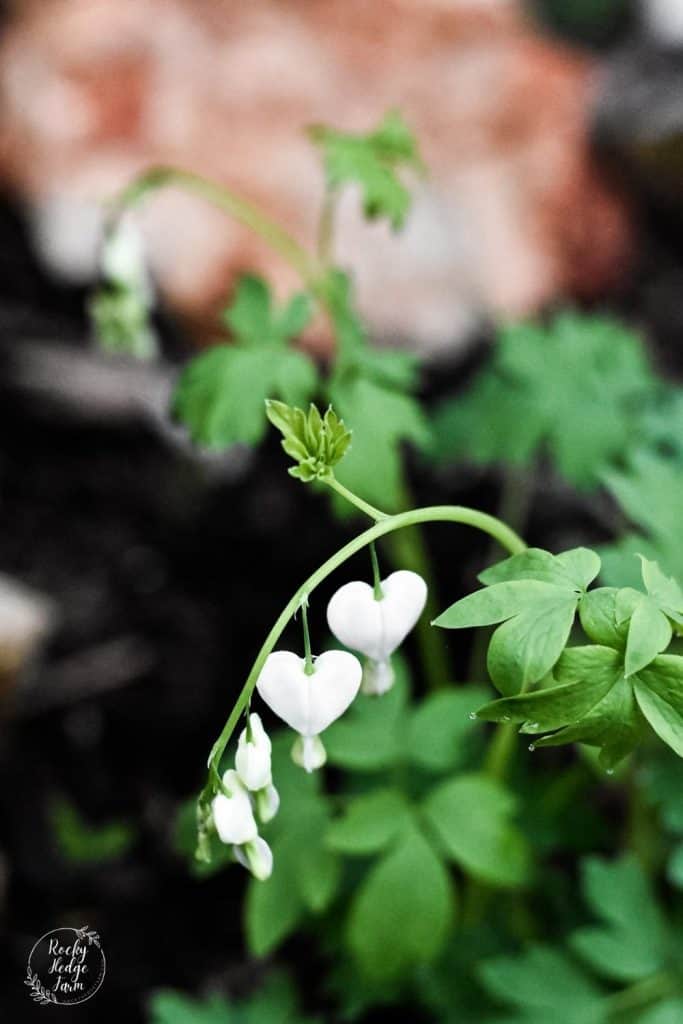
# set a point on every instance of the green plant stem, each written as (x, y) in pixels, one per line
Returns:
(642, 994)
(376, 576)
(387, 525)
(308, 657)
(326, 225)
(223, 197)
(363, 506)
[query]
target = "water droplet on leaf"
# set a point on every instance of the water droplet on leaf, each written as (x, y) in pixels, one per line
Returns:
(532, 747)
(472, 716)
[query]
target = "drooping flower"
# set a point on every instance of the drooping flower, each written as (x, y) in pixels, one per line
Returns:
(252, 759)
(232, 814)
(309, 703)
(257, 857)
(377, 626)
(267, 803)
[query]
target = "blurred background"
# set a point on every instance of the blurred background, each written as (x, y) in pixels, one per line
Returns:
(139, 574)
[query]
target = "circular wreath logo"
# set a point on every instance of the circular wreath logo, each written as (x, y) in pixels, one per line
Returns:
(66, 966)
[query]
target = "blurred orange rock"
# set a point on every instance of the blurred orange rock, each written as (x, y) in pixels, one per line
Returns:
(514, 213)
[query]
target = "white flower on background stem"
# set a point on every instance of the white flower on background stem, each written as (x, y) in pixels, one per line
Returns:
(267, 803)
(252, 759)
(309, 703)
(232, 814)
(376, 627)
(257, 857)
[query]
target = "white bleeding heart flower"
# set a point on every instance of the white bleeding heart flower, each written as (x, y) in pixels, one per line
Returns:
(376, 627)
(309, 752)
(252, 759)
(267, 803)
(233, 815)
(257, 857)
(309, 703)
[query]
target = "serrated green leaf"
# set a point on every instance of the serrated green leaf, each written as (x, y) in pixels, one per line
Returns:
(632, 943)
(254, 321)
(659, 691)
(570, 388)
(575, 569)
(372, 161)
(394, 923)
(472, 815)
(370, 823)
(664, 590)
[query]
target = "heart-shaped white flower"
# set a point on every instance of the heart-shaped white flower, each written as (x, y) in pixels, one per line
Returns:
(233, 815)
(377, 627)
(309, 703)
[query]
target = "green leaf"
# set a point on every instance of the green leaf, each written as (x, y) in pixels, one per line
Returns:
(221, 393)
(372, 161)
(614, 725)
(370, 823)
(254, 322)
(570, 388)
(472, 815)
(546, 982)
(403, 910)
(650, 492)
(659, 691)
(664, 590)
(440, 728)
(499, 602)
(371, 735)
(84, 843)
(598, 618)
(537, 593)
(649, 634)
(525, 648)
(168, 1007)
(668, 1012)
(575, 569)
(631, 943)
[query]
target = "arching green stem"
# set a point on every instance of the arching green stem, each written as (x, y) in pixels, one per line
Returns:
(224, 198)
(434, 514)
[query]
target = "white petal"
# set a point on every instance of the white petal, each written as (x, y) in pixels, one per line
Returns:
(378, 677)
(257, 857)
(267, 804)
(233, 817)
(309, 752)
(377, 628)
(309, 703)
(252, 759)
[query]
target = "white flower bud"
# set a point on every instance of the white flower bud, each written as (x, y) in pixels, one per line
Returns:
(309, 703)
(256, 856)
(233, 816)
(252, 759)
(377, 627)
(378, 677)
(267, 803)
(309, 752)
(123, 259)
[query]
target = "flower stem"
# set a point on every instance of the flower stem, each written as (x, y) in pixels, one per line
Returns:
(308, 667)
(386, 525)
(369, 510)
(241, 209)
(376, 578)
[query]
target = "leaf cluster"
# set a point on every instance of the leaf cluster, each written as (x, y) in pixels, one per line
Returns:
(316, 443)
